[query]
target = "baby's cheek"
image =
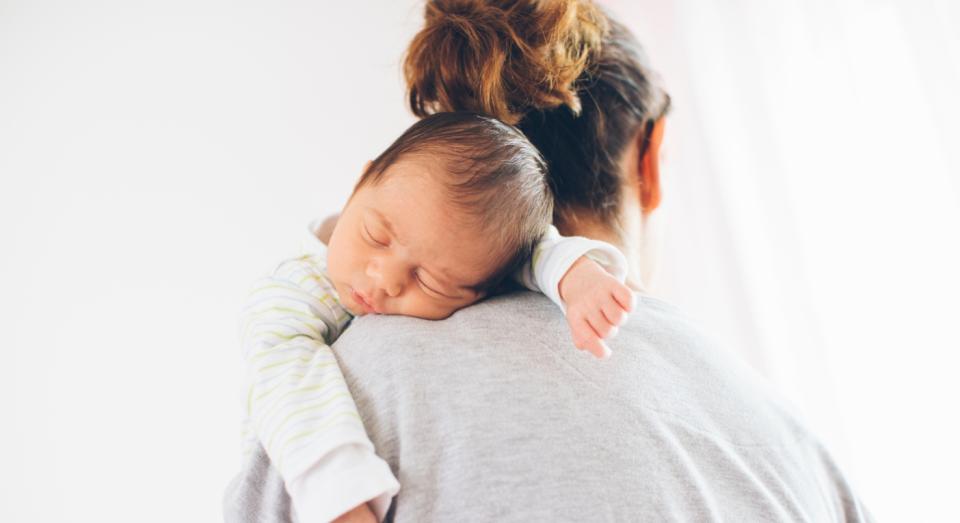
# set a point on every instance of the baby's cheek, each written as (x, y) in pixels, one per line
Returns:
(435, 312)
(447, 310)
(429, 309)
(333, 265)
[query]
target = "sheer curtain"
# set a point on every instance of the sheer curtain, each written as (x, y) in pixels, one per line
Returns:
(812, 217)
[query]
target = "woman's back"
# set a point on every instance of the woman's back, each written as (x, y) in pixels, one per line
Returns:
(491, 414)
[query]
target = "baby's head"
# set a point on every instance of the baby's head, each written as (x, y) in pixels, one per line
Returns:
(440, 219)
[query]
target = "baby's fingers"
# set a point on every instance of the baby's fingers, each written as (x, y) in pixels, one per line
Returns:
(614, 313)
(598, 348)
(604, 328)
(586, 338)
(624, 297)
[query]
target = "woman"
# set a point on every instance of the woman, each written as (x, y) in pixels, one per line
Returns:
(491, 415)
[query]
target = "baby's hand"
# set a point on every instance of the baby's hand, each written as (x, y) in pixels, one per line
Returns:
(596, 302)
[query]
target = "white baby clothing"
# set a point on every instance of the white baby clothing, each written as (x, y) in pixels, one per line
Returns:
(298, 407)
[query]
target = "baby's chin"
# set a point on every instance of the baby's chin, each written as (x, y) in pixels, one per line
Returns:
(354, 311)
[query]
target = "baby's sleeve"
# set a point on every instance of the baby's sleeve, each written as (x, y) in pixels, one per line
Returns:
(298, 403)
(554, 256)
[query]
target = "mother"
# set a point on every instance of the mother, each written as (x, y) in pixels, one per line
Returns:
(491, 414)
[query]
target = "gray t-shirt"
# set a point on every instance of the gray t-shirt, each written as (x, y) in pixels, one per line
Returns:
(492, 414)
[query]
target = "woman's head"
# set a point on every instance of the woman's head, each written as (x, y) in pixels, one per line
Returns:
(573, 80)
(440, 218)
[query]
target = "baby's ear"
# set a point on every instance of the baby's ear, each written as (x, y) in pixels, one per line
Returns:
(325, 231)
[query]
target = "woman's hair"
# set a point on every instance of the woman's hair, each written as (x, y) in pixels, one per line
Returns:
(573, 80)
(490, 172)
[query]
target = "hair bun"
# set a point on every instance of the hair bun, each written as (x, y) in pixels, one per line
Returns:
(501, 58)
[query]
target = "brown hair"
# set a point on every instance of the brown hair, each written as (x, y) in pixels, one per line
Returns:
(491, 172)
(573, 80)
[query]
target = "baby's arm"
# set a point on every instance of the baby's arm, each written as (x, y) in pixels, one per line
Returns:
(298, 402)
(591, 294)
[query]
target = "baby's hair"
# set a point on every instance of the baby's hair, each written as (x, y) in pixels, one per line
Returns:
(491, 173)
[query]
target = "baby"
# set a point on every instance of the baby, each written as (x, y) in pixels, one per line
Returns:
(450, 213)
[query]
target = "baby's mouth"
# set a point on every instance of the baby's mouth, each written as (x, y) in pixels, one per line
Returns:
(365, 305)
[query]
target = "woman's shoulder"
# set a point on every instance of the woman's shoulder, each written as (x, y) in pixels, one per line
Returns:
(523, 313)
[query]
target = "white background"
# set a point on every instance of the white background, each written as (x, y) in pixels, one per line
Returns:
(155, 157)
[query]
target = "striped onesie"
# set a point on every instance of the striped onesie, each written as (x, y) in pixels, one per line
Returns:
(298, 407)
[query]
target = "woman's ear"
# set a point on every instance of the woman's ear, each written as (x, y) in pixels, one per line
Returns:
(649, 166)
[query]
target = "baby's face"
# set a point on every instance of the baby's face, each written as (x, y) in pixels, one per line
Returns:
(399, 248)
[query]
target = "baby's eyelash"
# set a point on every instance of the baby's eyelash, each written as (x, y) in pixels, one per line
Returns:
(429, 288)
(371, 238)
(423, 283)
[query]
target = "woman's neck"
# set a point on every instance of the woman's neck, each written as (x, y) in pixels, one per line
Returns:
(627, 235)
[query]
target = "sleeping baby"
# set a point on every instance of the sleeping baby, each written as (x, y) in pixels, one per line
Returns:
(456, 209)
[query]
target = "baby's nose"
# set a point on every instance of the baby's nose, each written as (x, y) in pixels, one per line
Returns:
(392, 288)
(388, 277)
